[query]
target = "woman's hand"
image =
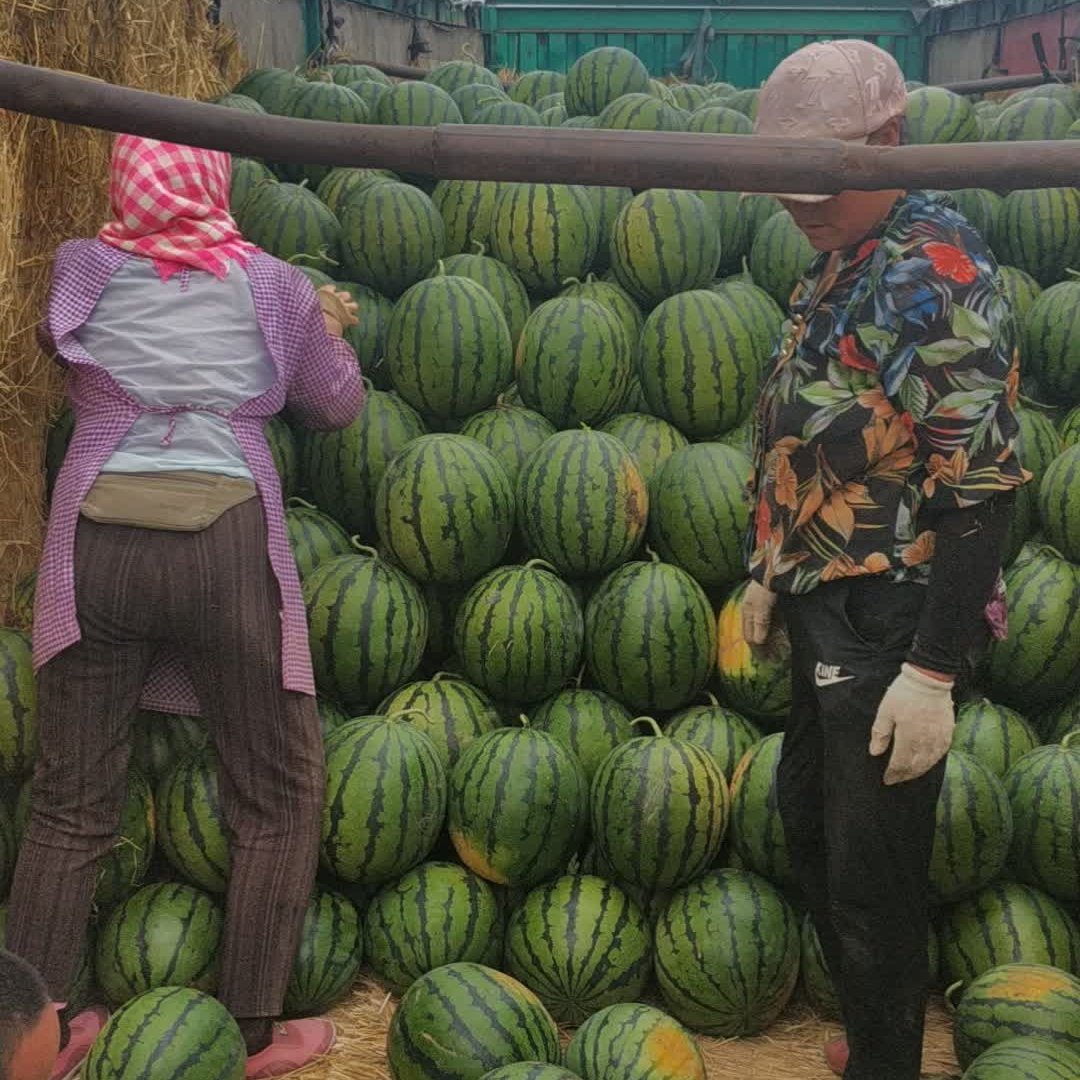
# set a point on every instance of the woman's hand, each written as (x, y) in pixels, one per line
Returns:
(339, 309)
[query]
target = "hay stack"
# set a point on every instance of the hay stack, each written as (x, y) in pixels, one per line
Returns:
(52, 188)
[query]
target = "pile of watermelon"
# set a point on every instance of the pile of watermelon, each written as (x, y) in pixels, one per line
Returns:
(551, 754)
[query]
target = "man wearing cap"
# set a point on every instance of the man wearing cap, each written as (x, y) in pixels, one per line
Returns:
(882, 495)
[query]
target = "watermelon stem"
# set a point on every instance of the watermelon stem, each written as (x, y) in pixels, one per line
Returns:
(363, 549)
(479, 245)
(652, 554)
(950, 994)
(440, 675)
(649, 721)
(543, 564)
(297, 501)
(405, 712)
(523, 719)
(1069, 738)
(711, 698)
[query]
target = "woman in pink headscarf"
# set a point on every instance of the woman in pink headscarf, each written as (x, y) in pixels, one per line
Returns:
(167, 577)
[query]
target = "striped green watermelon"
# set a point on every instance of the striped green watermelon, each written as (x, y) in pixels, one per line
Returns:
(452, 75)
(466, 207)
(754, 679)
(719, 120)
(589, 723)
(342, 469)
(519, 633)
(168, 1034)
(1069, 428)
(368, 627)
(448, 348)
(1051, 355)
(974, 829)
(518, 806)
(728, 212)
(936, 115)
(270, 87)
(328, 957)
(764, 314)
(340, 183)
(1033, 118)
(727, 954)
(238, 101)
(689, 96)
(757, 832)
(369, 92)
(579, 122)
(499, 280)
(779, 257)
(1036, 663)
(1044, 792)
(444, 508)
(191, 828)
(159, 741)
(574, 361)
(1022, 524)
(1026, 1058)
(650, 636)
(759, 210)
(1037, 444)
(438, 913)
(651, 440)
(392, 236)
(725, 734)
(1006, 923)
(554, 116)
(700, 512)
(9, 851)
(580, 944)
(346, 74)
(1054, 724)
(1016, 1000)
(612, 296)
(474, 97)
(314, 537)
(640, 112)
(545, 233)
(549, 101)
(321, 101)
(981, 208)
(993, 734)
(462, 1020)
(582, 503)
(450, 711)
(512, 433)
(163, 935)
(285, 454)
(1059, 515)
(659, 808)
(634, 1042)
(1065, 93)
(744, 101)
(1039, 232)
(18, 705)
(508, 113)
(642, 256)
(385, 800)
(246, 176)
(529, 1070)
(602, 76)
(331, 716)
(534, 86)
(442, 603)
(416, 104)
(289, 221)
(700, 362)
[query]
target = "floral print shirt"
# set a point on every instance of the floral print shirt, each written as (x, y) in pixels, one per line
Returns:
(897, 402)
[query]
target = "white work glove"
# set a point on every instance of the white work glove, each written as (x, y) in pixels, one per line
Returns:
(757, 609)
(339, 309)
(916, 715)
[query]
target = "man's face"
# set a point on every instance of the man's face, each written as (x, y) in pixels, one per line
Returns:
(839, 222)
(35, 1054)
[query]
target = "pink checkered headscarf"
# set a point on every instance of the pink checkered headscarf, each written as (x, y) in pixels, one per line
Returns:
(171, 204)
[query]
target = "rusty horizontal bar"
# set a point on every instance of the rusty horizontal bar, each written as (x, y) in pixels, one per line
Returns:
(1006, 82)
(398, 71)
(634, 159)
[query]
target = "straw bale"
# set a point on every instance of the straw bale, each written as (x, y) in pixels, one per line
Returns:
(52, 188)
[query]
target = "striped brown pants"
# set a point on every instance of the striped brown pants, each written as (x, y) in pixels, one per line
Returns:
(212, 596)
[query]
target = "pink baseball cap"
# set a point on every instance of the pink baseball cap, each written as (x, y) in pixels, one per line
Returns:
(831, 90)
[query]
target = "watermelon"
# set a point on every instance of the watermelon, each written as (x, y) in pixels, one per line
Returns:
(368, 627)
(340, 183)
(602, 76)
(554, 116)
(528, 1070)
(727, 954)
(466, 208)
(18, 705)
(936, 115)
(650, 636)
(438, 913)
(1022, 524)
(1058, 513)
(582, 503)
(507, 113)
(163, 935)
(719, 120)
(385, 800)
(1006, 923)
(725, 734)
(9, 851)
(659, 810)
(342, 469)
(634, 1042)
(1026, 1058)
(1039, 232)
(981, 208)
(289, 221)
(642, 258)
(452, 75)
(757, 831)
(974, 829)
(1032, 119)
(331, 717)
(328, 957)
(1015, 1000)
(1054, 724)
(321, 101)
(518, 805)
(499, 280)
(346, 73)
(1044, 792)
(1070, 428)
(270, 87)
(191, 829)
(780, 256)
(700, 512)
(474, 97)
(513, 434)
(159, 741)
(245, 177)
(545, 233)
(462, 1020)
(764, 314)
(580, 944)
(995, 735)
(611, 296)
(728, 212)
(754, 679)
(744, 101)
(450, 711)
(699, 363)
(589, 723)
(759, 210)
(640, 112)
(284, 452)
(1035, 665)
(369, 92)
(534, 86)
(314, 537)
(238, 101)
(651, 440)
(519, 633)
(1065, 93)
(579, 122)
(416, 104)
(1037, 443)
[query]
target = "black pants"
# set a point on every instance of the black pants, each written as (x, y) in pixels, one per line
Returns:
(860, 850)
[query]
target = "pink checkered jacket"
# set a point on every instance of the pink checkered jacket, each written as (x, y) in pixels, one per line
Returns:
(317, 377)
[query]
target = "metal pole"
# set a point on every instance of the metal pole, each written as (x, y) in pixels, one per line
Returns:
(1006, 82)
(634, 159)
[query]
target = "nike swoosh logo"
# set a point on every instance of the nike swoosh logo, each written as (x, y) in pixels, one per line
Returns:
(832, 680)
